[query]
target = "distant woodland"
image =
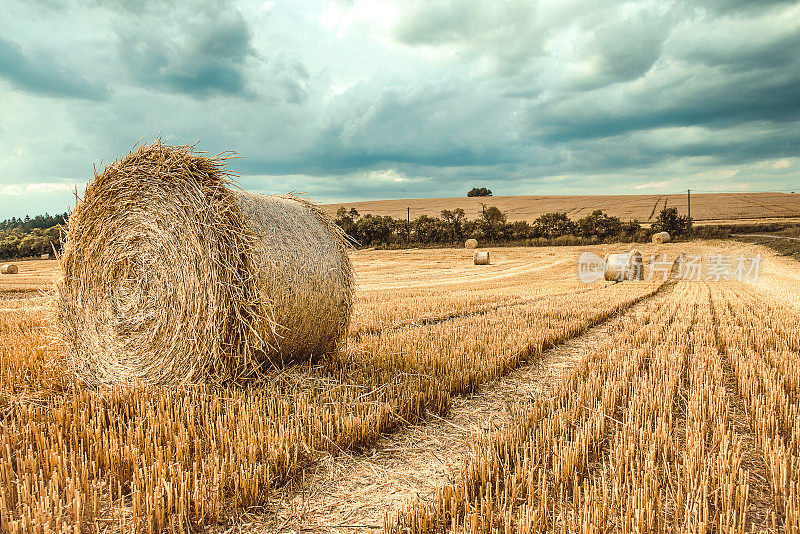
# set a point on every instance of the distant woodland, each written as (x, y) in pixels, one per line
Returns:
(21, 238)
(492, 227)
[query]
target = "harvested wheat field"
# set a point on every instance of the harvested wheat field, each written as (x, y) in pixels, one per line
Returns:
(707, 208)
(509, 397)
(32, 276)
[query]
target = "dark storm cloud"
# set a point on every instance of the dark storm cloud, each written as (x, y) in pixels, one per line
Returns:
(746, 6)
(202, 54)
(624, 50)
(714, 77)
(713, 102)
(621, 69)
(383, 122)
(42, 74)
(776, 143)
(731, 55)
(738, 146)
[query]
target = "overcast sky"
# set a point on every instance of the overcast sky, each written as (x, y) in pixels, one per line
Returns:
(366, 99)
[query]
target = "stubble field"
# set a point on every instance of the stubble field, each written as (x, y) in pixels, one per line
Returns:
(501, 398)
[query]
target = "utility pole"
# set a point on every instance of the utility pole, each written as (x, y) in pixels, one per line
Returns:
(689, 201)
(408, 224)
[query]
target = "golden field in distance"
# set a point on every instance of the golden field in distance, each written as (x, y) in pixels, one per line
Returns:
(33, 275)
(707, 208)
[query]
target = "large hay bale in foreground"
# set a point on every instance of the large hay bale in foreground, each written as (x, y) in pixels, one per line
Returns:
(625, 266)
(171, 276)
(471, 243)
(9, 268)
(481, 257)
(661, 237)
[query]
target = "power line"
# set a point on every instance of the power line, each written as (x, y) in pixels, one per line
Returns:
(735, 192)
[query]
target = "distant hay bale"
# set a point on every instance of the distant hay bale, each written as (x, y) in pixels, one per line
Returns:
(172, 276)
(481, 257)
(661, 237)
(625, 266)
(637, 265)
(616, 267)
(677, 267)
(44, 257)
(9, 268)
(471, 243)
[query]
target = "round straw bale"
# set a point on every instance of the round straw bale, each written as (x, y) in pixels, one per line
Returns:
(661, 237)
(9, 268)
(44, 256)
(616, 267)
(481, 257)
(636, 265)
(625, 266)
(471, 243)
(172, 276)
(677, 266)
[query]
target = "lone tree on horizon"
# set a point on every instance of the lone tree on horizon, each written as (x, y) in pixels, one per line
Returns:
(669, 221)
(479, 192)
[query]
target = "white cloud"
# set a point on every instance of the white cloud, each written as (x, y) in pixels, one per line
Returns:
(387, 175)
(11, 190)
(377, 17)
(51, 187)
(654, 185)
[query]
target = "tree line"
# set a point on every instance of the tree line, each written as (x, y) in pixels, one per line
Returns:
(492, 227)
(42, 234)
(17, 243)
(40, 221)
(22, 238)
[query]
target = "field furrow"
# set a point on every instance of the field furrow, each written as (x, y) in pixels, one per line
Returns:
(361, 490)
(648, 434)
(380, 318)
(764, 361)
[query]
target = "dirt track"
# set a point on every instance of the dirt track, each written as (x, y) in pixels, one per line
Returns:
(349, 493)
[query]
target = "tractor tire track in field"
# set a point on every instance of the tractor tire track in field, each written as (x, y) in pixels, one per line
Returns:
(767, 235)
(760, 515)
(655, 206)
(349, 493)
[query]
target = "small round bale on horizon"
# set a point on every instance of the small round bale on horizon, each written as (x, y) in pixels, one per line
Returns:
(9, 268)
(661, 237)
(471, 243)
